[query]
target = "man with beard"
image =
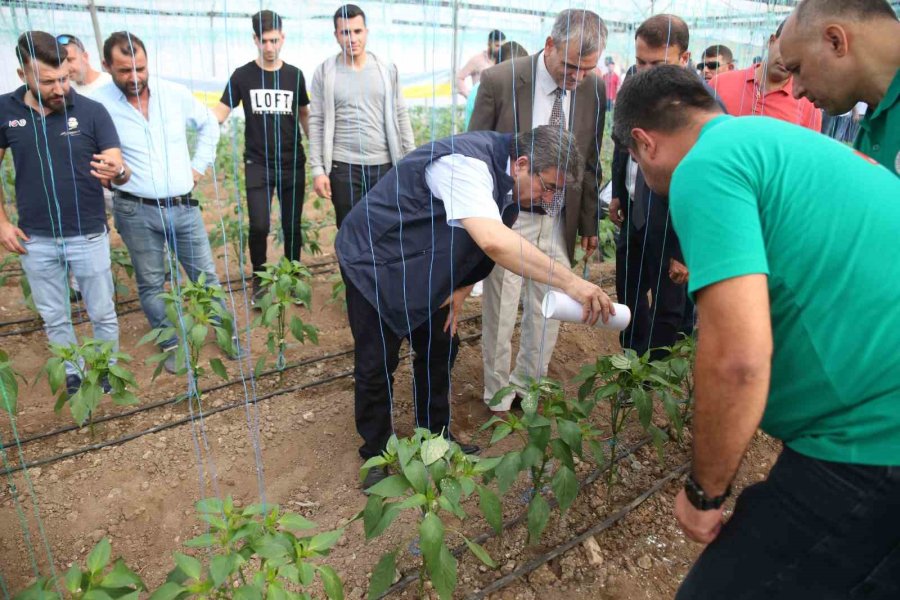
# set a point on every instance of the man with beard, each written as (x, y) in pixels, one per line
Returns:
(64, 149)
(155, 208)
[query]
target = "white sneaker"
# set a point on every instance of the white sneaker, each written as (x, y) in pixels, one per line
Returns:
(478, 289)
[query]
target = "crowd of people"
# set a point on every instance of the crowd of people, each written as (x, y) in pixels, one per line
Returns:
(734, 212)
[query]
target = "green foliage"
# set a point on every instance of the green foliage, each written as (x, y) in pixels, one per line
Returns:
(254, 553)
(9, 267)
(309, 232)
(630, 383)
(197, 310)
(96, 580)
(552, 428)
(606, 232)
(121, 264)
(27, 300)
(430, 477)
(338, 291)
(95, 361)
(286, 283)
(433, 123)
(237, 232)
(9, 385)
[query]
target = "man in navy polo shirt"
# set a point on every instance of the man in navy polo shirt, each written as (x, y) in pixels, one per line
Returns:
(65, 148)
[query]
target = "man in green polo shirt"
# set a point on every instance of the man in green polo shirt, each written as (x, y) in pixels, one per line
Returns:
(846, 51)
(794, 265)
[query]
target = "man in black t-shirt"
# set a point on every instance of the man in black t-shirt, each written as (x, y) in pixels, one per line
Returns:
(64, 148)
(274, 97)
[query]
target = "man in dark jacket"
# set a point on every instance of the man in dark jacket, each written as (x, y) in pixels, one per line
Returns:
(412, 250)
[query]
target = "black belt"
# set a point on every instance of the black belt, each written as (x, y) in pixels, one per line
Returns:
(537, 210)
(170, 201)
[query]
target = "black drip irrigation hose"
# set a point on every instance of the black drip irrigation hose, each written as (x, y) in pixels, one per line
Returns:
(79, 321)
(183, 421)
(180, 397)
(413, 575)
(600, 527)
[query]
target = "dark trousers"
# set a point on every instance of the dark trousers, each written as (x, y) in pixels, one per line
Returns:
(642, 267)
(290, 184)
(376, 356)
(813, 530)
(350, 184)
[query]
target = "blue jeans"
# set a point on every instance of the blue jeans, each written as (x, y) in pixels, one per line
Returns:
(814, 530)
(47, 264)
(147, 231)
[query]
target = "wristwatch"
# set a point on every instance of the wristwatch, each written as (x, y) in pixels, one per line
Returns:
(699, 499)
(121, 172)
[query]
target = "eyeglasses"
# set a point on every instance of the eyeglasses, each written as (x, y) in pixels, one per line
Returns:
(711, 65)
(66, 39)
(548, 188)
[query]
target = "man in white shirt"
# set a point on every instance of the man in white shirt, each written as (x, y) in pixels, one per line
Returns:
(411, 251)
(155, 208)
(83, 77)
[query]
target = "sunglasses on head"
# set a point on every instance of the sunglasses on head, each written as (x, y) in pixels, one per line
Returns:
(65, 40)
(711, 65)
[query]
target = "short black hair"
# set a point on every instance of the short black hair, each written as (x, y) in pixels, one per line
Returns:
(265, 20)
(662, 31)
(496, 36)
(857, 9)
(780, 29)
(41, 46)
(511, 50)
(126, 42)
(719, 50)
(348, 11)
(659, 99)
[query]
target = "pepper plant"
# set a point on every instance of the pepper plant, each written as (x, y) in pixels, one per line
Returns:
(121, 265)
(196, 309)
(237, 232)
(251, 554)
(98, 365)
(9, 385)
(679, 366)
(94, 581)
(9, 267)
(430, 476)
(628, 383)
(286, 283)
(552, 427)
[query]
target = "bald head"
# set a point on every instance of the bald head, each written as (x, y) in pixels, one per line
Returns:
(841, 51)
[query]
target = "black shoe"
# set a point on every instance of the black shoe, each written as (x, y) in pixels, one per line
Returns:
(104, 383)
(73, 384)
(374, 476)
(466, 448)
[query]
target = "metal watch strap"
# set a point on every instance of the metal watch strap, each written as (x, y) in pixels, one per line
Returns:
(698, 498)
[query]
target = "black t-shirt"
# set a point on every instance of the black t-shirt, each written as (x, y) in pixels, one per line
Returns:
(55, 191)
(271, 101)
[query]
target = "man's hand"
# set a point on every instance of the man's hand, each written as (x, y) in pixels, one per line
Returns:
(197, 176)
(10, 236)
(456, 301)
(105, 168)
(589, 245)
(595, 302)
(615, 212)
(678, 273)
(700, 525)
(322, 186)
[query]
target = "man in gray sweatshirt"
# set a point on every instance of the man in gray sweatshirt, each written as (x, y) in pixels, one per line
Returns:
(358, 125)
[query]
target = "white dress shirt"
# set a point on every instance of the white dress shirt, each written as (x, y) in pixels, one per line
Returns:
(544, 95)
(156, 148)
(465, 186)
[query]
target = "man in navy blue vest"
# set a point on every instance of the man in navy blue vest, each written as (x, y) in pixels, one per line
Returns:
(424, 235)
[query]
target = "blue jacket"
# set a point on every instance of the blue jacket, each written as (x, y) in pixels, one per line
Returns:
(395, 246)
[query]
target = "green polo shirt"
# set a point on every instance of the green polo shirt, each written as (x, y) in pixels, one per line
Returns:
(758, 195)
(879, 130)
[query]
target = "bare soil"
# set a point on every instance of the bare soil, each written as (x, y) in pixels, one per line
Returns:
(299, 449)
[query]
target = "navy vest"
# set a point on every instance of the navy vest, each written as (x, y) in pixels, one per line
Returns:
(396, 247)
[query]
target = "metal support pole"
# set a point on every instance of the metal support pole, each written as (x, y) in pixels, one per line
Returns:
(453, 66)
(96, 23)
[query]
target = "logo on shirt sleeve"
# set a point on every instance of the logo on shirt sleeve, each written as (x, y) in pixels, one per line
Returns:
(17, 123)
(271, 102)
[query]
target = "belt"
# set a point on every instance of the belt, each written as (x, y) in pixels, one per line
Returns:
(537, 210)
(163, 202)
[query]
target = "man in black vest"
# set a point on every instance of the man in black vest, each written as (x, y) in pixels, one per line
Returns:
(412, 250)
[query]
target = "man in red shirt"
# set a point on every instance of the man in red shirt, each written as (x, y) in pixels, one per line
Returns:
(766, 89)
(611, 79)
